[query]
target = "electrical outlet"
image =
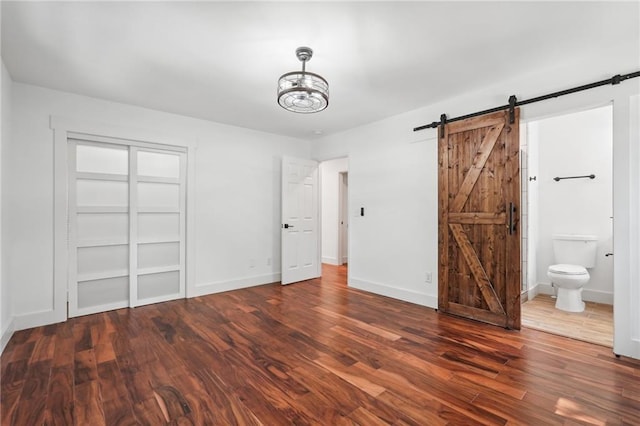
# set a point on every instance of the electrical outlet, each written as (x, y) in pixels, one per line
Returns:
(252, 263)
(268, 261)
(428, 277)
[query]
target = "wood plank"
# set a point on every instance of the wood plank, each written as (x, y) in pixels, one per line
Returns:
(481, 279)
(60, 401)
(512, 195)
(88, 404)
(478, 218)
(477, 314)
(476, 167)
(474, 123)
(443, 218)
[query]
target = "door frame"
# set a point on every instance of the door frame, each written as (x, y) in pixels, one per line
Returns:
(343, 215)
(63, 128)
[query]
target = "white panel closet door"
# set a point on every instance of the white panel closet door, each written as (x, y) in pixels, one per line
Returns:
(98, 227)
(157, 259)
(127, 208)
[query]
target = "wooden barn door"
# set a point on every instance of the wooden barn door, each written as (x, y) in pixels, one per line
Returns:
(479, 209)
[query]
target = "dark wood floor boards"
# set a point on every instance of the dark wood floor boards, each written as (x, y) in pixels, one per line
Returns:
(312, 353)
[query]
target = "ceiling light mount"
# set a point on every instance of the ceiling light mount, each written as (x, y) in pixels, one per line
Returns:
(301, 91)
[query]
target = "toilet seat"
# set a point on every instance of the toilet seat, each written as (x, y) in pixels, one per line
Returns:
(566, 269)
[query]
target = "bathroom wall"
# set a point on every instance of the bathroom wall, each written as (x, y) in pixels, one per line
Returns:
(571, 145)
(532, 211)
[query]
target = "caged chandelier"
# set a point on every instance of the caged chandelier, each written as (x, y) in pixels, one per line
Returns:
(302, 91)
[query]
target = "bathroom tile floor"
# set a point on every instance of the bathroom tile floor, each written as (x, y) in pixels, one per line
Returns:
(594, 325)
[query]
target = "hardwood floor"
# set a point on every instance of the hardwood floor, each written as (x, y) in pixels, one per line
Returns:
(315, 352)
(594, 325)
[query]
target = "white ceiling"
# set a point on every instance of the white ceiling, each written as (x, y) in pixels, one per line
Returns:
(220, 61)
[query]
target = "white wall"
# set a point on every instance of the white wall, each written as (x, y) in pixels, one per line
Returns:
(393, 174)
(237, 194)
(330, 200)
(6, 317)
(573, 145)
(532, 213)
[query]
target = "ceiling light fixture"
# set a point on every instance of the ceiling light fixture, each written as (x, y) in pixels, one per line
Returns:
(302, 91)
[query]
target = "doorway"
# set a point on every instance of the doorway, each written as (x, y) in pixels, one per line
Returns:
(569, 145)
(335, 211)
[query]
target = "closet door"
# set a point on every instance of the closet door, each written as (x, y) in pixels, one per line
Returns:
(158, 201)
(126, 226)
(98, 227)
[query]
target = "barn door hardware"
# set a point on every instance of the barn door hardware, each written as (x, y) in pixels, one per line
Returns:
(513, 102)
(443, 122)
(512, 214)
(512, 109)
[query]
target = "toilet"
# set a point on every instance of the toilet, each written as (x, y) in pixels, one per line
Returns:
(574, 254)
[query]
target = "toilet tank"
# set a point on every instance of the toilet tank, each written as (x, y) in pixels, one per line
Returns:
(575, 249)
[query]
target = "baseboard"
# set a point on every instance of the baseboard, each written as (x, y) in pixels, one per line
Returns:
(37, 319)
(221, 286)
(330, 260)
(598, 296)
(395, 292)
(533, 292)
(6, 335)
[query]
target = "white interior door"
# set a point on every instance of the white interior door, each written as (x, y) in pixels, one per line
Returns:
(300, 220)
(126, 226)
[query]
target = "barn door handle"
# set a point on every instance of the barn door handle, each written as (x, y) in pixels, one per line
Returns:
(511, 226)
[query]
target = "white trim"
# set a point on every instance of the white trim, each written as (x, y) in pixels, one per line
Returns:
(158, 299)
(101, 308)
(133, 227)
(532, 292)
(221, 286)
(102, 209)
(6, 334)
(36, 319)
(158, 209)
(102, 176)
(103, 275)
(115, 241)
(60, 235)
(154, 179)
(72, 237)
(158, 240)
(95, 132)
(158, 269)
(626, 186)
(410, 296)
(98, 129)
(183, 225)
(598, 296)
(330, 260)
(190, 185)
(89, 139)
